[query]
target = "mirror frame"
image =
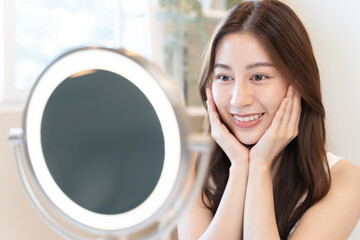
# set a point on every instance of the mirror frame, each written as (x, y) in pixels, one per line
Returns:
(169, 106)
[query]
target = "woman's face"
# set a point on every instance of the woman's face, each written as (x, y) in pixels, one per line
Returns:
(247, 88)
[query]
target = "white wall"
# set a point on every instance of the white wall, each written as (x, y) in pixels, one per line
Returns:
(18, 219)
(335, 34)
(334, 29)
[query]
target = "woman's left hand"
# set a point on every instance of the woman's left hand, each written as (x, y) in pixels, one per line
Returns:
(283, 129)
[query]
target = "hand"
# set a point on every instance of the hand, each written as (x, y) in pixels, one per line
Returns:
(236, 151)
(283, 129)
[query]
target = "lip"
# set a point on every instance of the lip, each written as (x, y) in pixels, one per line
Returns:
(247, 124)
(246, 115)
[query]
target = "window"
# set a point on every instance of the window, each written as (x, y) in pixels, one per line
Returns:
(37, 31)
(1, 50)
(170, 34)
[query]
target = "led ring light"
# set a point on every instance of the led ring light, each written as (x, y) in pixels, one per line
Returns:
(169, 111)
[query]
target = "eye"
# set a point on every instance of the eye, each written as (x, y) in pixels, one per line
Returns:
(258, 77)
(223, 77)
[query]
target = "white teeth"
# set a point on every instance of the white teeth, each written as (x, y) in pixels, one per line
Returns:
(247, 119)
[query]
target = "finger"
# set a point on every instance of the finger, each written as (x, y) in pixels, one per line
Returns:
(295, 118)
(218, 130)
(213, 114)
(207, 93)
(210, 98)
(288, 112)
(279, 115)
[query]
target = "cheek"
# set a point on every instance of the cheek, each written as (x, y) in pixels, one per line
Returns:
(221, 97)
(217, 92)
(271, 99)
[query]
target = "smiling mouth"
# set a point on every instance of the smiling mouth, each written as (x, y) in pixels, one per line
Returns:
(248, 118)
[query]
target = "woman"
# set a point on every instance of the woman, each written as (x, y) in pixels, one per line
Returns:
(270, 176)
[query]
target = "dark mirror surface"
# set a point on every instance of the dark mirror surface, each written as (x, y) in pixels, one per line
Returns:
(102, 141)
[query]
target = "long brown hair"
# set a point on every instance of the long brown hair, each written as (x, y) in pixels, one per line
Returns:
(305, 172)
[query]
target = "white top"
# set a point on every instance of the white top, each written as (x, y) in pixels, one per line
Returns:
(332, 159)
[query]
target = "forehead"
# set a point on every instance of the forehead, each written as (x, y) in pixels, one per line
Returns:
(238, 49)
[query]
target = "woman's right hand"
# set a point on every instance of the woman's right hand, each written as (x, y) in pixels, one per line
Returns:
(234, 149)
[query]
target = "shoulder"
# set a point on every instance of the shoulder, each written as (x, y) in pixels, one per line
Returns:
(336, 215)
(345, 179)
(345, 187)
(346, 173)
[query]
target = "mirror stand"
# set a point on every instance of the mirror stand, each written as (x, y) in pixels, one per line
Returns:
(104, 151)
(55, 219)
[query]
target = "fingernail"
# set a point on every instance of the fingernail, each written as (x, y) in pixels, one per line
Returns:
(286, 100)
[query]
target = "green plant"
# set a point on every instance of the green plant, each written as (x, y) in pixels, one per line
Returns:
(187, 31)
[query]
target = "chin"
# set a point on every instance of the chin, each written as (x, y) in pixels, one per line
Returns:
(248, 142)
(248, 139)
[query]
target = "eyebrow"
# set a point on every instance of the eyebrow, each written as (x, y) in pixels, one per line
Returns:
(220, 65)
(248, 67)
(259, 64)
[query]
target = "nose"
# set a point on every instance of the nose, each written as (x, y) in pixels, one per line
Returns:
(242, 95)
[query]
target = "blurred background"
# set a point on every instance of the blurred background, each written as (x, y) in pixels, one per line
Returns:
(171, 34)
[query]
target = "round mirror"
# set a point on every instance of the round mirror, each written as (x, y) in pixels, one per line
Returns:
(106, 144)
(106, 159)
